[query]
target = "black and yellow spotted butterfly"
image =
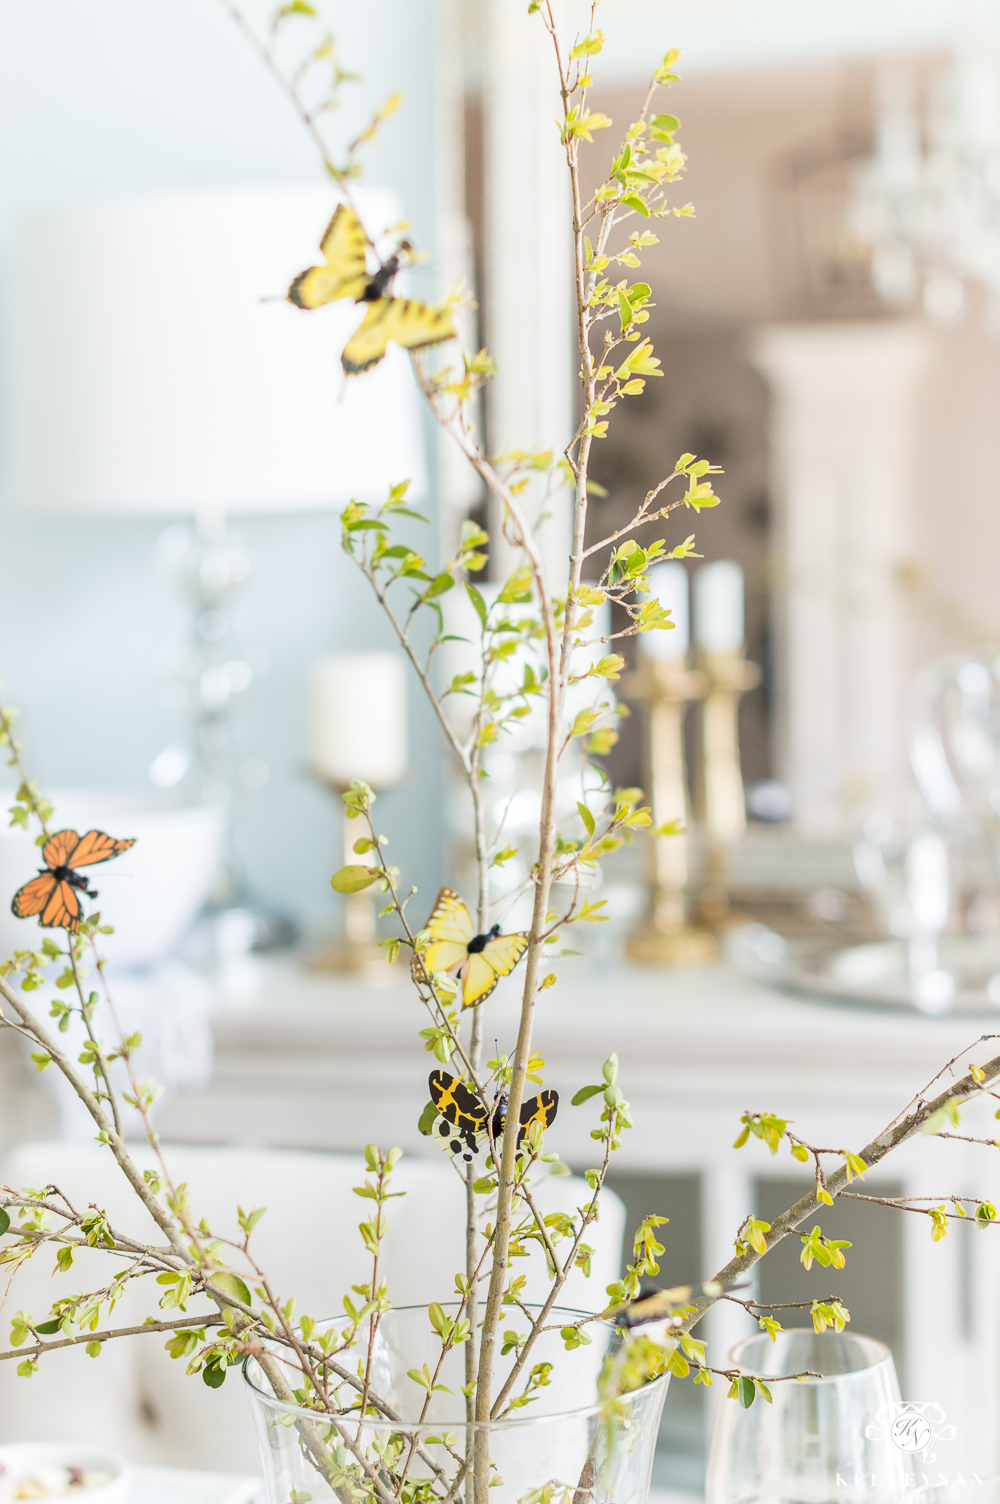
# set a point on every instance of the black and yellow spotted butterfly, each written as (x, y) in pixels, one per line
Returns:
(480, 960)
(462, 1128)
(52, 894)
(345, 275)
(662, 1305)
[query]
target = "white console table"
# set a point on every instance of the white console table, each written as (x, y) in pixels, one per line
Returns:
(317, 1062)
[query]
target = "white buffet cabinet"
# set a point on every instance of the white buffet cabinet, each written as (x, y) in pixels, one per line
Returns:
(318, 1062)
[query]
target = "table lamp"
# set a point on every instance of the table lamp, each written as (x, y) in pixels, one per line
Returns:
(158, 371)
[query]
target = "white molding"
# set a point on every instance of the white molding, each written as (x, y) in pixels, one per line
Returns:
(842, 439)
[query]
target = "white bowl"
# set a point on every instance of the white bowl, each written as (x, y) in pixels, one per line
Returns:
(27, 1458)
(151, 893)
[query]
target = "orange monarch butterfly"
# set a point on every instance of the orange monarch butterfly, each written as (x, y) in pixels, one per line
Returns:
(480, 960)
(52, 894)
(462, 1128)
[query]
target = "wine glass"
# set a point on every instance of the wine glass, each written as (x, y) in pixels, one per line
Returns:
(954, 740)
(821, 1440)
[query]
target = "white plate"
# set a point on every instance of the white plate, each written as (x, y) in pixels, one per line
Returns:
(964, 983)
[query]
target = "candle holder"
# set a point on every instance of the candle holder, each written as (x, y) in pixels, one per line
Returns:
(357, 954)
(357, 730)
(720, 791)
(665, 938)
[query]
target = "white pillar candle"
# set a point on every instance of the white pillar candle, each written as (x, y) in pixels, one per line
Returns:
(670, 586)
(357, 718)
(718, 607)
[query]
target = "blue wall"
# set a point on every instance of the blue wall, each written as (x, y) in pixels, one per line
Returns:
(101, 97)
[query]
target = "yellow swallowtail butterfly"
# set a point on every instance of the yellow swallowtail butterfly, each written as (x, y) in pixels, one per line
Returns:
(345, 275)
(461, 1128)
(662, 1305)
(480, 960)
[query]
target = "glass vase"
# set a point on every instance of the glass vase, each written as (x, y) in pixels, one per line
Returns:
(820, 1440)
(565, 1441)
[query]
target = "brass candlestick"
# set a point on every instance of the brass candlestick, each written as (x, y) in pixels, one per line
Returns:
(723, 810)
(357, 955)
(665, 938)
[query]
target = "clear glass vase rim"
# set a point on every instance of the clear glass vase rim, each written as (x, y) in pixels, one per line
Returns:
(539, 1418)
(735, 1355)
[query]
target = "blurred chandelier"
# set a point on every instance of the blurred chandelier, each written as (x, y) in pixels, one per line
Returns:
(928, 203)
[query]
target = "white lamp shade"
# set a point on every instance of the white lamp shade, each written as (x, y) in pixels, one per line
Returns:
(150, 377)
(357, 718)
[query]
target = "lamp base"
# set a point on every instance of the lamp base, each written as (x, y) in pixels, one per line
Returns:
(684, 946)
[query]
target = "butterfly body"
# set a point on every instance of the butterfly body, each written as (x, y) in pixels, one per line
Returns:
(379, 284)
(465, 1125)
(67, 875)
(52, 895)
(480, 960)
(345, 275)
(478, 943)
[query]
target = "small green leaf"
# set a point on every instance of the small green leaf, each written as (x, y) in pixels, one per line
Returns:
(587, 818)
(213, 1375)
(477, 601)
(517, 588)
(440, 585)
(233, 1286)
(585, 1093)
(746, 1391)
(353, 879)
(4, 1222)
(427, 1118)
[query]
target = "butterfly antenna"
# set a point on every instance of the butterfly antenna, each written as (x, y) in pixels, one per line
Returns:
(508, 909)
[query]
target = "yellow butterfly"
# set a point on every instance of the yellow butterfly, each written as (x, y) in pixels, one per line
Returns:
(480, 960)
(345, 275)
(662, 1305)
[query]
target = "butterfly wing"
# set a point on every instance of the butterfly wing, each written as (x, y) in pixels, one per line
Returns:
(417, 325)
(62, 912)
(661, 1305)
(541, 1109)
(95, 847)
(412, 325)
(32, 898)
(478, 979)
(456, 1101)
(58, 847)
(450, 926)
(345, 274)
(461, 1127)
(485, 968)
